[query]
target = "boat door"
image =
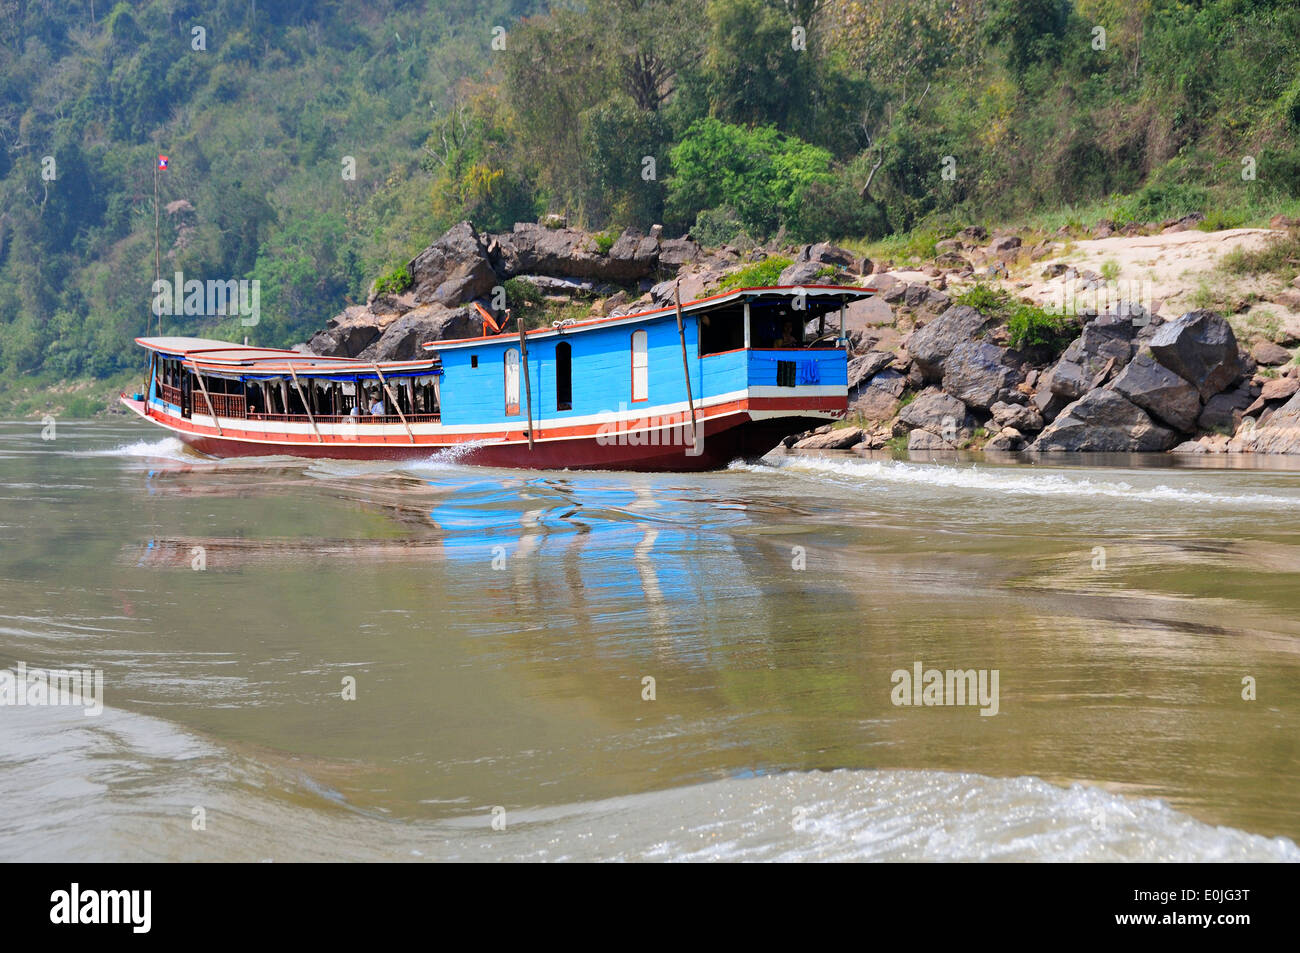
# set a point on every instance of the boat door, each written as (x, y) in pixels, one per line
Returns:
(187, 392)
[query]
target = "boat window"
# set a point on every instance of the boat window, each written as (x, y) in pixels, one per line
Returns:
(640, 366)
(512, 382)
(722, 330)
(473, 360)
(563, 376)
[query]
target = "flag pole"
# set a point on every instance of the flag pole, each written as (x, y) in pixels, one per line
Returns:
(157, 261)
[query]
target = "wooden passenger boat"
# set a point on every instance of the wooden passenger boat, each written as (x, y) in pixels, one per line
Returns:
(687, 388)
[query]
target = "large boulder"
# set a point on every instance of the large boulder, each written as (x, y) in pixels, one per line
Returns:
(1223, 412)
(1104, 421)
(866, 366)
(453, 270)
(803, 273)
(839, 439)
(1200, 348)
(824, 253)
(1023, 419)
(403, 339)
(1268, 354)
(879, 398)
(572, 253)
(676, 252)
(1160, 392)
(937, 412)
(1281, 434)
(346, 334)
(930, 345)
(1104, 343)
(633, 254)
(980, 374)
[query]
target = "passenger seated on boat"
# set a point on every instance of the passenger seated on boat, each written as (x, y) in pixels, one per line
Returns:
(787, 336)
(377, 408)
(355, 411)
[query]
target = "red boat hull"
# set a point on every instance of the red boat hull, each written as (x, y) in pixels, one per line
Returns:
(747, 439)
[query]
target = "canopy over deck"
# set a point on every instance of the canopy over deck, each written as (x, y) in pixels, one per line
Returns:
(816, 300)
(222, 357)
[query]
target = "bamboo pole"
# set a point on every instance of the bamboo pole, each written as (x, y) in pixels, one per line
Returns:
(157, 253)
(686, 365)
(305, 406)
(208, 400)
(393, 397)
(528, 387)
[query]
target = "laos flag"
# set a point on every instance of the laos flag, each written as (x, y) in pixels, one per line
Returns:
(162, 162)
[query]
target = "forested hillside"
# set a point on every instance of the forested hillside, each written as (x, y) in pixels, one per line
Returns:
(734, 119)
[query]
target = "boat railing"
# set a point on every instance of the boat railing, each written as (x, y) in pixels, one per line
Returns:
(348, 419)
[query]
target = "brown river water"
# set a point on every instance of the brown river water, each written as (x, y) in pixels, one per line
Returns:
(592, 666)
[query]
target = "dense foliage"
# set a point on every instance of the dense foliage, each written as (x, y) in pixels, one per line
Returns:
(316, 146)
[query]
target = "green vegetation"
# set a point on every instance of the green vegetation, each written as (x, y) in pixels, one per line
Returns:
(395, 282)
(1280, 257)
(605, 241)
(1029, 328)
(315, 145)
(758, 275)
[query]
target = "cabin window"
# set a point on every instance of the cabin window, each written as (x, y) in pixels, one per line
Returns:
(640, 367)
(512, 382)
(563, 376)
(473, 360)
(722, 330)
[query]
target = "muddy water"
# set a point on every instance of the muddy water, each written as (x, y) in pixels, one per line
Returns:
(610, 665)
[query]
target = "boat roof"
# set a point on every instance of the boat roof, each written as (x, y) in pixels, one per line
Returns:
(829, 295)
(224, 357)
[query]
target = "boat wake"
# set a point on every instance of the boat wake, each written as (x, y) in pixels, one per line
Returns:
(1006, 480)
(122, 787)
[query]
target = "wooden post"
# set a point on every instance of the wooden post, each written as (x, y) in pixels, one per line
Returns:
(305, 405)
(208, 400)
(393, 397)
(686, 366)
(528, 387)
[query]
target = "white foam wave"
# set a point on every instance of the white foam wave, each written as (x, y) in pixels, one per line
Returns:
(1010, 480)
(169, 448)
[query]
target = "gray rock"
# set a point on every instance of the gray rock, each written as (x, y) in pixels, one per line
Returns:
(1223, 412)
(1107, 422)
(403, 339)
(925, 440)
(1281, 434)
(803, 273)
(1160, 392)
(930, 345)
(1200, 348)
(676, 252)
(571, 253)
(1108, 338)
(1007, 439)
(1269, 354)
(827, 254)
(980, 374)
(1022, 418)
(862, 368)
(453, 270)
(1067, 380)
(937, 412)
(346, 334)
(878, 399)
(841, 439)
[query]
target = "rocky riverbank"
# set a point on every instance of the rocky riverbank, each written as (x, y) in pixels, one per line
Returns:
(1142, 357)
